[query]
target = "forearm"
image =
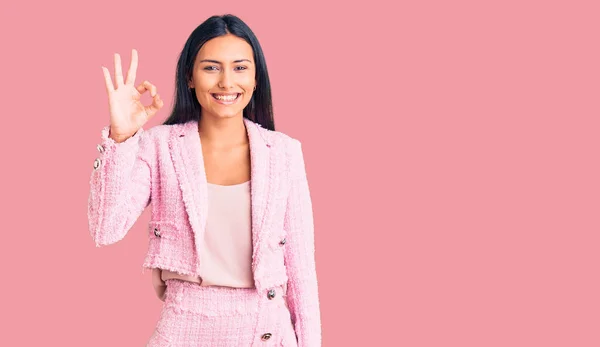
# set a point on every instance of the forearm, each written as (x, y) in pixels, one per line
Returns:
(159, 285)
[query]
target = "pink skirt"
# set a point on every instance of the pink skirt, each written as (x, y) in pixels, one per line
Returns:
(194, 315)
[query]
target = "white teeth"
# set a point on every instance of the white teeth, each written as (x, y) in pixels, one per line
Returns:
(226, 98)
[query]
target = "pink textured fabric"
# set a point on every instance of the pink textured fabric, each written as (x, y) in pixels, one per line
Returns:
(195, 315)
(163, 167)
(226, 254)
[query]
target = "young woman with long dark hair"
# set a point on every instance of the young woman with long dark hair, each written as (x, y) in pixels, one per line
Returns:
(231, 236)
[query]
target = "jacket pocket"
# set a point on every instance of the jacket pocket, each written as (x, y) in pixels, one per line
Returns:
(163, 230)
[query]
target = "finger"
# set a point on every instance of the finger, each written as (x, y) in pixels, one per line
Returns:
(107, 80)
(156, 105)
(118, 71)
(151, 87)
(132, 68)
(142, 88)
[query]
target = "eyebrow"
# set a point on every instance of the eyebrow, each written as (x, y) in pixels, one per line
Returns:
(218, 62)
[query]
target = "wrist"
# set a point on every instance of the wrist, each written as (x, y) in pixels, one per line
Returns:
(118, 138)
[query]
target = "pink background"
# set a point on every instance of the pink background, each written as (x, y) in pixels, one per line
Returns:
(451, 149)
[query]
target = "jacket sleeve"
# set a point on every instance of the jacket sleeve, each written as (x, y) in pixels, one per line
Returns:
(302, 296)
(119, 186)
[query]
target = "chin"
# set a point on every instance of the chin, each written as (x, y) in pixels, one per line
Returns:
(227, 115)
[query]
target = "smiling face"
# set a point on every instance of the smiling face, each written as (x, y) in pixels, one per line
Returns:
(224, 76)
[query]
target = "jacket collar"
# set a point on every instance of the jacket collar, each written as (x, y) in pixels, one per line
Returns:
(186, 153)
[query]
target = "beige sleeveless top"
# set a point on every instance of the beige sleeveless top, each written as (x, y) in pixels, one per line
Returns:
(226, 254)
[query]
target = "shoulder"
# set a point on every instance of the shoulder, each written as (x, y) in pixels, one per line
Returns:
(292, 149)
(159, 131)
(154, 140)
(280, 139)
(158, 136)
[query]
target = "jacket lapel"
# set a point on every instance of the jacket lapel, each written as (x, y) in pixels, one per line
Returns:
(261, 185)
(186, 153)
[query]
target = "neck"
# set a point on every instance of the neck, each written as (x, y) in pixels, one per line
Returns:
(222, 132)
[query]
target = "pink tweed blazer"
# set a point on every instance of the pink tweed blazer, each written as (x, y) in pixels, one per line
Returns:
(163, 167)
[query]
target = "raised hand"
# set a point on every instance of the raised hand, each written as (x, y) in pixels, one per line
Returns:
(127, 114)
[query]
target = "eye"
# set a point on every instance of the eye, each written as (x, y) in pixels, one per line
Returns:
(241, 68)
(210, 68)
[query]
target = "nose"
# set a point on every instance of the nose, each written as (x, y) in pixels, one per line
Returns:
(226, 80)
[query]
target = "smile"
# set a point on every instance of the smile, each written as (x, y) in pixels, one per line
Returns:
(226, 99)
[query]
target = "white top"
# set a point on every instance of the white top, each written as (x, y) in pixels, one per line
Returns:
(226, 254)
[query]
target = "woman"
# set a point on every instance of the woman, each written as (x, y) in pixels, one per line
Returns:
(231, 239)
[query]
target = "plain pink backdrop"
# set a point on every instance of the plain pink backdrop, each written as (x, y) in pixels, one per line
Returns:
(451, 150)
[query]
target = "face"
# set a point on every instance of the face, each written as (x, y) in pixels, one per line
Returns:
(224, 76)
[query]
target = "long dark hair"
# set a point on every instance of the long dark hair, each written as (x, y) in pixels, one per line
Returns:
(187, 107)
